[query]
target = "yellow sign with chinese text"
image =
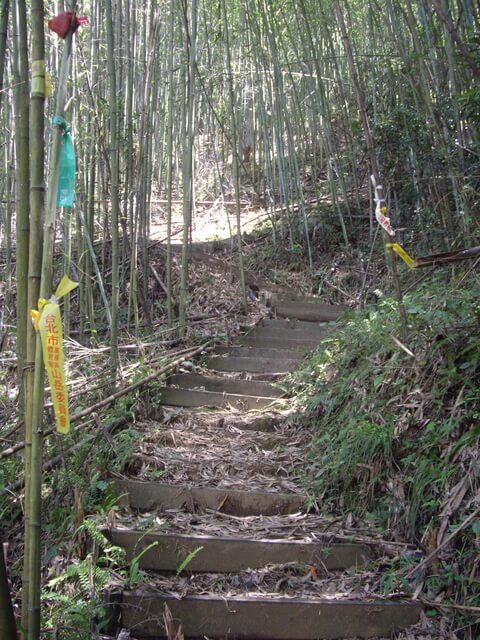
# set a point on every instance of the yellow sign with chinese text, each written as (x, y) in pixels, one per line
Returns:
(50, 327)
(48, 322)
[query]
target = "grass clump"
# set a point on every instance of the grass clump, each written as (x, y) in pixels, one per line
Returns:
(396, 426)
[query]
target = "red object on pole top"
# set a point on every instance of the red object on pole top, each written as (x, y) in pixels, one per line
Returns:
(65, 22)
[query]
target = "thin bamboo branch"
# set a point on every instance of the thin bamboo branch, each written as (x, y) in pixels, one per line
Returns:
(441, 546)
(187, 354)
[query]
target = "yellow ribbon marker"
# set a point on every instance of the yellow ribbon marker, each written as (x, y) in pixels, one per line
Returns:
(402, 253)
(48, 322)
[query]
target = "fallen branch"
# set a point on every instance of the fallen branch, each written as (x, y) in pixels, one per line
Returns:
(448, 539)
(443, 605)
(6, 453)
(55, 461)
(188, 353)
(344, 293)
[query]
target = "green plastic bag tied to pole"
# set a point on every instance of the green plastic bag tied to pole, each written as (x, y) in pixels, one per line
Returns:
(67, 166)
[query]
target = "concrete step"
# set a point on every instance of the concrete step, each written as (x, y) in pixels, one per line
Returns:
(192, 398)
(226, 385)
(268, 342)
(288, 296)
(312, 329)
(291, 338)
(262, 618)
(308, 311)
(251, 365)
(230, 555)
(258, 352)
(148, 496)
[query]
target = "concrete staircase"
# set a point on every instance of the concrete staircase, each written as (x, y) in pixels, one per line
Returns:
(258, 563)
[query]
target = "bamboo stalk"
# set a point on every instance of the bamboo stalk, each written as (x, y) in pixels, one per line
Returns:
(169, 153)
(4, 11)
(22, 183)
(34, 506)
(37, 206)
(445, 542)
(236, 165)
(360, 96)
(187, 168)
(114, 209)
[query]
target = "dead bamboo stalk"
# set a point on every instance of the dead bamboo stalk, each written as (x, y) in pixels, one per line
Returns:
(207, 346)
(448, 539)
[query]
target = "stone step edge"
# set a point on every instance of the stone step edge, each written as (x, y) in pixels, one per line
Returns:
(232, 554)
(145, 496)
(172, 396)
(261, 618)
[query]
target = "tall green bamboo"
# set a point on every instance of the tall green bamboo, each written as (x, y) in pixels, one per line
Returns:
(22, 181)
(114, 186)
(4, 11)
(33, 480)
(187, 168)
(391, 257)
(169, 154)
(37, 208)
(235, 156)
(9, 188)
(442, 9)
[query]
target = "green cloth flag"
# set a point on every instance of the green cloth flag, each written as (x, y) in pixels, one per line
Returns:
(67, 166)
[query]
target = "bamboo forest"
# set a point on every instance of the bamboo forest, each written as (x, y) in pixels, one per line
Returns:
(239, 320)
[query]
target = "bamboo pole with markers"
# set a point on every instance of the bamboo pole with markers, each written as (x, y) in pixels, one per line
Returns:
(31, 600)
(37, 207)
(379, 197)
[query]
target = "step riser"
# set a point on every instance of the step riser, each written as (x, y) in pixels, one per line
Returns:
(190, 398)
(294, 327)
(256, 352)
(147, 496)
(230, 555)
(251, 365)
(295, 337)
(289, 298)
(265, 342)
(306, 312)
(289, 619)
(225, 385)
(290, 342)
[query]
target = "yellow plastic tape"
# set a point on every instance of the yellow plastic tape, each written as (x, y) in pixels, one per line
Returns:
(48, 322)
(402, 253)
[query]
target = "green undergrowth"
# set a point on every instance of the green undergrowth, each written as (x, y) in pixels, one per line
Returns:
(77, 560)
(396, 426)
